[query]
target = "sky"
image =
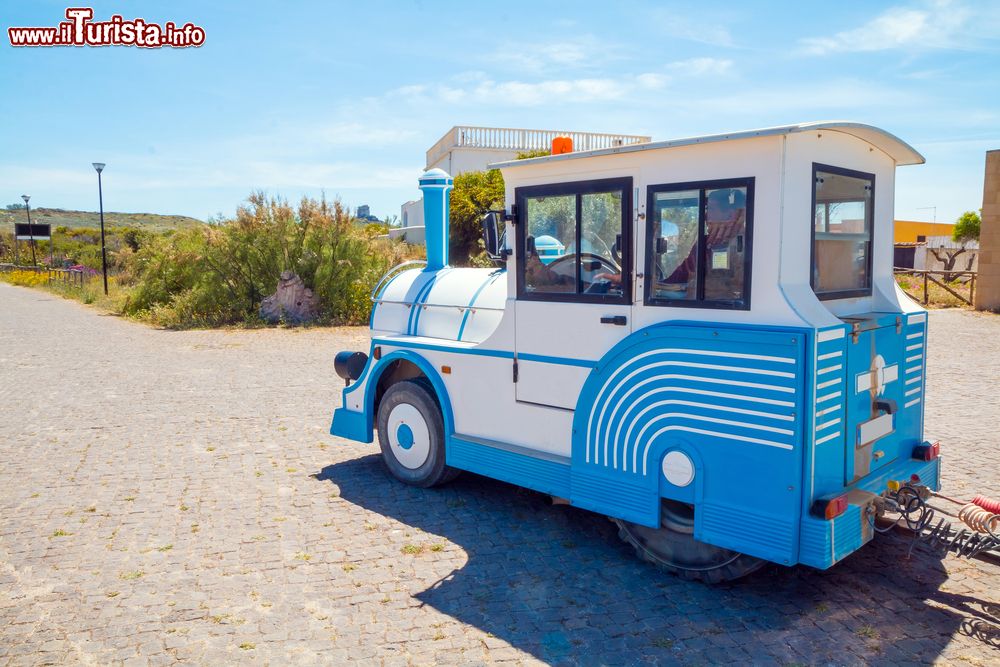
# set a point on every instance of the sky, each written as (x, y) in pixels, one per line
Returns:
(307, 98)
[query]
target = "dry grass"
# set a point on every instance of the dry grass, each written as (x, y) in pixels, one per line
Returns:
(937, 296)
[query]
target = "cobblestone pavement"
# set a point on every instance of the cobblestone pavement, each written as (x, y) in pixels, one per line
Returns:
(172, 496)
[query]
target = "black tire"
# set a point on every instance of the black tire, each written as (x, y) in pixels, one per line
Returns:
(411, 435)
(672, 547)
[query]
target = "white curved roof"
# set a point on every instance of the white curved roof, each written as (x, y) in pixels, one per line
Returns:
(893, 146)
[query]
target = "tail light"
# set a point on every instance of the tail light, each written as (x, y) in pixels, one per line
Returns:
(927, 451)
(829, 507)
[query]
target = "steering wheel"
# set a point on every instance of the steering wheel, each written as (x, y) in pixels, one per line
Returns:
(606, 264)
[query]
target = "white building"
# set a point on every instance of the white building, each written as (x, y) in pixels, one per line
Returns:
(464, 148)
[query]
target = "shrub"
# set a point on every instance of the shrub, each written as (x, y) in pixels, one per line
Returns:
(25, 278)
(218, 274)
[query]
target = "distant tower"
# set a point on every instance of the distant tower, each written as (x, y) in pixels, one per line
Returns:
(364, 211)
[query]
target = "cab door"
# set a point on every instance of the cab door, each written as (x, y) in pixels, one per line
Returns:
(574, 284)
(880, 427)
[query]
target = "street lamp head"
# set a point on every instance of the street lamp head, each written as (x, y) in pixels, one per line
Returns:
(99, 166)
(25, 198)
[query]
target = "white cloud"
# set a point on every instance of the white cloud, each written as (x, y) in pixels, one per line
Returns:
(701, 66)
(940, 24)
(477, 88)
(585, 51)
(706, 28)
(359, 134)
(848, 96)
(515, 93)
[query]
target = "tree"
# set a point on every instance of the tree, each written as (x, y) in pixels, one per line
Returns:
(475, 193)
(966, 229)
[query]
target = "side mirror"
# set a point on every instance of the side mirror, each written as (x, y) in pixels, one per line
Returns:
(529, 246)
(662, 245)
(492, 237)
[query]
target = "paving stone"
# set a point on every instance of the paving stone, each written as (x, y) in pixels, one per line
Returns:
(211, 519)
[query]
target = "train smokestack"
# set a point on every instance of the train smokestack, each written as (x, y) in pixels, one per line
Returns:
(436, 186)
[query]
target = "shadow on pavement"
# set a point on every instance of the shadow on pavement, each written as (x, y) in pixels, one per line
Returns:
(556, 582)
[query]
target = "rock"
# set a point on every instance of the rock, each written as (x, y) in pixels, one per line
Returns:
(292, 302)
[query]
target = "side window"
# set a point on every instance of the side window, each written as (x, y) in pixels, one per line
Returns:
(574, 241)
(551, 226)
(698, 253)
(842, 232)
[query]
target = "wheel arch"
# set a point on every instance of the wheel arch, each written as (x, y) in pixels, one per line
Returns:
(397, 366)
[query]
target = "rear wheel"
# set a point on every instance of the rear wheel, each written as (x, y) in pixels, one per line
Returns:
(672, 547)
(411, 435)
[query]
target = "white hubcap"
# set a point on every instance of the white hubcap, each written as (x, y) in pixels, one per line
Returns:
(409, 436)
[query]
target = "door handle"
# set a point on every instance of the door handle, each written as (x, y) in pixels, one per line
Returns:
(618, 320)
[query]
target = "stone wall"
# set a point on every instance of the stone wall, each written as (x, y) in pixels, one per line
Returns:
(988, 283)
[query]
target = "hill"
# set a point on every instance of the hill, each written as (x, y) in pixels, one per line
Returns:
(58, 217)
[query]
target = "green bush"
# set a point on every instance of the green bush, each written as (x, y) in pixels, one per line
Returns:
(218, 274)
(80, 245)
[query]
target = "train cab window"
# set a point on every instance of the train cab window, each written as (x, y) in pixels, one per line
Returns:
(843, 203)
(698, 249)
(574, 241)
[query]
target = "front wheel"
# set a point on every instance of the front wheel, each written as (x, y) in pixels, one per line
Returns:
(411, 435)
(672, 547)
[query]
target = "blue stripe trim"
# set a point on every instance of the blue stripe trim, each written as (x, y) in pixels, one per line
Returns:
(502, 354)
(465, 316)
(412, 322)
(561, 361)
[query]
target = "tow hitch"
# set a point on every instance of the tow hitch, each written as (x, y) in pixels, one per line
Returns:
(907, 506)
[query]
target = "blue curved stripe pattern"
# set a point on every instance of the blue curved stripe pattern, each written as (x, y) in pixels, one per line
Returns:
(731, 395)
(472, 302)
(414, 318)
(729, 398)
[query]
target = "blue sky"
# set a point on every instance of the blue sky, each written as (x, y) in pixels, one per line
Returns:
(305, 97)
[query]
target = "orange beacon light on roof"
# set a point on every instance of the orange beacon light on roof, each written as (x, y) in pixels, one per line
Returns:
(562, 145)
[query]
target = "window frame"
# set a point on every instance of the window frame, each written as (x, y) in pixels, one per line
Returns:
(577, 188)
(870, 220)
(701, 186)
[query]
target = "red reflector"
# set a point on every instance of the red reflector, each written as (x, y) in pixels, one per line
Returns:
(927, 452)
(836, 507)
(829, 507)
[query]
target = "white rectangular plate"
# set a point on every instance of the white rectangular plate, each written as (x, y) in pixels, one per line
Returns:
(873, 429)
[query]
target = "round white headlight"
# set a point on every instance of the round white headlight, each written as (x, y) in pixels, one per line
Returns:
(678, 469)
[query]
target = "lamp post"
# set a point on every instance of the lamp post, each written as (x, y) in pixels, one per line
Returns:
(31, 234)
(99, 166)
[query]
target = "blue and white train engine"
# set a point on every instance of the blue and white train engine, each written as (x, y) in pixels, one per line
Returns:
(715, 355)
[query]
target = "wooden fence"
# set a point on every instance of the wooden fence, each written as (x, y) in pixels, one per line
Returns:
(73, 277)
(965, 277)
